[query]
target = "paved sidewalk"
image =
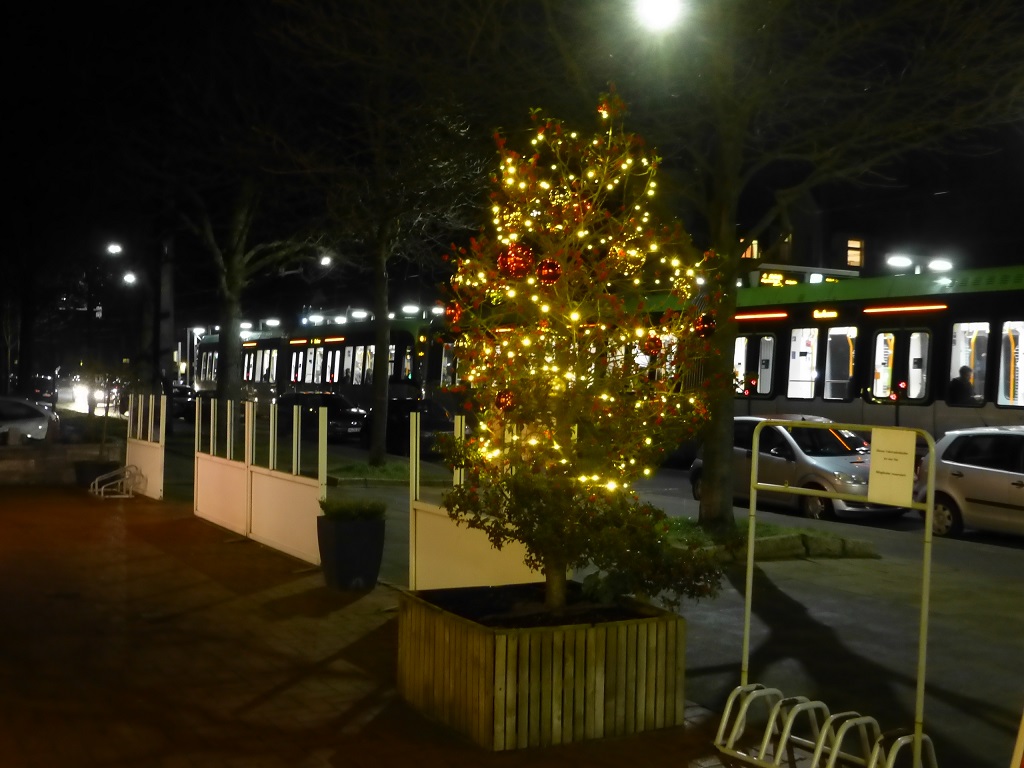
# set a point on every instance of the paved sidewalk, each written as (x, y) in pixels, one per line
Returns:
(134, 634)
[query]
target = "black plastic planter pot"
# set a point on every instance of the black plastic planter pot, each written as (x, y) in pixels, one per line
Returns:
(350, 552)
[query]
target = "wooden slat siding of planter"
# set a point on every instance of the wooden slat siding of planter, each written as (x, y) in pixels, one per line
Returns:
(557, 676)
(516, 688)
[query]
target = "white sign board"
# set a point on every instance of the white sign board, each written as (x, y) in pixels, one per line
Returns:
(891, 479)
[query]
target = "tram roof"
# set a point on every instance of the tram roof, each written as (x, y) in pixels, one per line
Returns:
(888, 287)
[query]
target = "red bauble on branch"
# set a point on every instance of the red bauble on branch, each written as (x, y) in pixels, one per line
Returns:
(548, 271)
(651, 346)
(505, 399)
(515, 261)
(452, 312)
(705, 325)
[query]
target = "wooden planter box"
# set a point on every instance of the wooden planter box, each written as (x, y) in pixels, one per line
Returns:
(540, 686)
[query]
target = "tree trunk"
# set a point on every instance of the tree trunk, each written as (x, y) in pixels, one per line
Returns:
(555, 585)
(382, 343)
(716, 504)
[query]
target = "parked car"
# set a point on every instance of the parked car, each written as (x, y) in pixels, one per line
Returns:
(435, 420)
(43, 389)
(28, 420)
(833, 460)
(344, 419)
(182, 402)
(979, 481)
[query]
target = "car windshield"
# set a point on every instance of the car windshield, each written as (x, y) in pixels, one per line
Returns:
(829, 442)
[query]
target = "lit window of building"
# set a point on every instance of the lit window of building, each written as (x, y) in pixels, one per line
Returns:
(855, 253)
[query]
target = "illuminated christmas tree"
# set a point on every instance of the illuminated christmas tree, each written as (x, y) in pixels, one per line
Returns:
(577, 388)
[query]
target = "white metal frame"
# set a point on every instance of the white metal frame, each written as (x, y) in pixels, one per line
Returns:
(829, 731)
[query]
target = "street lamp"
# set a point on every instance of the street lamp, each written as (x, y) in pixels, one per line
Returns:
(657, 15)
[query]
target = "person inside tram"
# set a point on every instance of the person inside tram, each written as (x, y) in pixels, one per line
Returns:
(961, 390)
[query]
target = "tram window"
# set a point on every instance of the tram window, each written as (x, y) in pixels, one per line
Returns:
(884, 357)
(917, 348)
(318, 365)
(406, 370)
(739, 364)
(307, 375)
(970, 348)
(333, 364)
(803, 349)
(270, 366)
(368, 370)
(753, 364)
(248, 361)
(357, 365)
(839, 351)
(917, 380)
(1011, 364)
(347, 375)
(209, 366)
(296, 374)
(448, 365)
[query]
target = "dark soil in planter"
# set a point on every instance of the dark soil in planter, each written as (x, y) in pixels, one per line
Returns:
(522, 605)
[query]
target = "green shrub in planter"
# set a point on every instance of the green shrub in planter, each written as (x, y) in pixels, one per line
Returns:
(350, 534)
(353, 509)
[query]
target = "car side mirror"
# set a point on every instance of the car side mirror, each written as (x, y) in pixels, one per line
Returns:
(782, 453)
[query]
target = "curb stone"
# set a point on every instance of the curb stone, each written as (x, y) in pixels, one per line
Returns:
(796, 546)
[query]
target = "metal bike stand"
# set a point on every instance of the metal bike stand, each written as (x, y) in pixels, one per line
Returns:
(827, 731)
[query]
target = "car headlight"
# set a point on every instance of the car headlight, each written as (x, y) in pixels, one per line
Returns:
(848, 478)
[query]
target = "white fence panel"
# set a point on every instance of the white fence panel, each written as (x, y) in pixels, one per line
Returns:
(284, 513)
(443, 554)
(149, 459)
(221, 492)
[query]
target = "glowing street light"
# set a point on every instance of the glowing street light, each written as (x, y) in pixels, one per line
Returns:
(901, 261)
(658, 15)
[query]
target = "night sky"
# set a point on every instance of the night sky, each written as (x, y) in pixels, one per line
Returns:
(83, 76)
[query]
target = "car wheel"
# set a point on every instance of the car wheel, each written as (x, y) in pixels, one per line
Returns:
(815, 507)
(695, 483)
(947, 520)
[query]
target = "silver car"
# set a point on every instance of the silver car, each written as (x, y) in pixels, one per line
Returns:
(979, 481)
(833, 460)
(22, 420)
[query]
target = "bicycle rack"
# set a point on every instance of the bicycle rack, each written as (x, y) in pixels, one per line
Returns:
(119, 484)
(795, 722)
(828, 733)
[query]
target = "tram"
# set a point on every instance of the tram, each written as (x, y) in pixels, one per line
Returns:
(923, 351)
(883, 351)
(333, 357)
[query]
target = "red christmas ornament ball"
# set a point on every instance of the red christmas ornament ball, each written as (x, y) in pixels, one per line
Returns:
(705, 325)
(452, 312)
(651, 346)
(505, 399)
(548, 271)
(515, 261)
